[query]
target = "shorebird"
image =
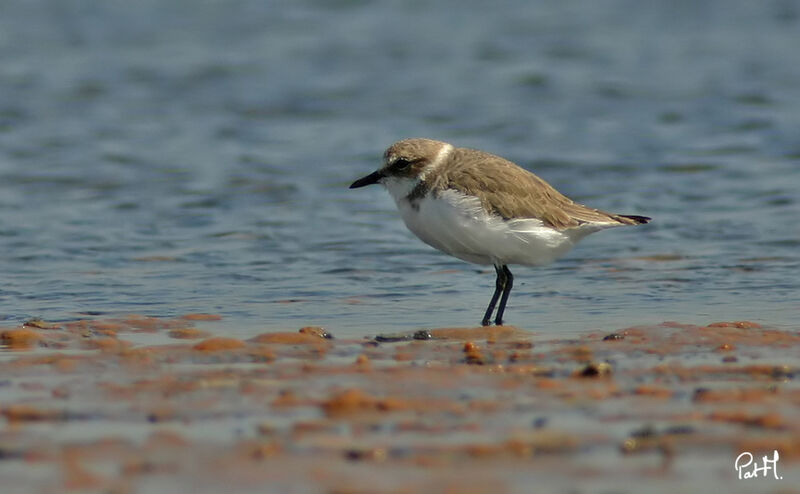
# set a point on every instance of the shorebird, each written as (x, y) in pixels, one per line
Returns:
(484, 209)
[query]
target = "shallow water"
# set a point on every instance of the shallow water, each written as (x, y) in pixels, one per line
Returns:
(181, 157)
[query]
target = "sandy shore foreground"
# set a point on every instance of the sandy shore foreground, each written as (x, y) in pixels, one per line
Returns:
(499, 409)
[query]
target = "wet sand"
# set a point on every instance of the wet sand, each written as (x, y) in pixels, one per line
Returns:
(141, 404)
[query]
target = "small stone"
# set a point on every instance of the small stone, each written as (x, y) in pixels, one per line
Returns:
(422, 334)
(595, 369)
(318, 331)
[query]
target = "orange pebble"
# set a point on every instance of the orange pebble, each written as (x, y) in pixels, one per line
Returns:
(218, 344)
(27, 413)
(288, 338)
(317, 331)
(348, 401)
(20, 338)
(470, 347)
(201, 317)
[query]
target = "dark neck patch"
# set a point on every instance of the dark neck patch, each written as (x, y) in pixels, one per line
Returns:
(417, 194)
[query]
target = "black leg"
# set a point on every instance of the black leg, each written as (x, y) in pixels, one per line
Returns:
(500, 285)
(506, 291)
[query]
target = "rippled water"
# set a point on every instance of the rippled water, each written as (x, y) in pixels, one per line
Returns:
(170, 157)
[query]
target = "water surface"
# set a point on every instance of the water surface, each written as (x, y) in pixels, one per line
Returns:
(194, 156)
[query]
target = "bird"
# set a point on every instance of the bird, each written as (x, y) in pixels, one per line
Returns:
(484, 209)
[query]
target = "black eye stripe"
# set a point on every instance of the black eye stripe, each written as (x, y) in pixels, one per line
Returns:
(403, 163)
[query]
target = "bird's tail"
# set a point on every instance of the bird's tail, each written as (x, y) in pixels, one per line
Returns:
(632, 219)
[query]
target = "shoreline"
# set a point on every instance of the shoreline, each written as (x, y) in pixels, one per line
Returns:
(644, 408)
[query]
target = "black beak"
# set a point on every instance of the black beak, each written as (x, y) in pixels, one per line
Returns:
(370, 179)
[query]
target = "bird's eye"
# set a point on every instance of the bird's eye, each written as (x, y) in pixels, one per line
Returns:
(400, 164)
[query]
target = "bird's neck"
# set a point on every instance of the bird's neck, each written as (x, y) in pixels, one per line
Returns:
(403, 189)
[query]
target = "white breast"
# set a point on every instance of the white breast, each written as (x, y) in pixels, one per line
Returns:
(457, 224)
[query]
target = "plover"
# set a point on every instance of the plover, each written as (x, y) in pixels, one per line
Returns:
(484, 209)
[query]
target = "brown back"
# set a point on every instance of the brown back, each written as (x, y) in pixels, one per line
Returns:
(515, 193)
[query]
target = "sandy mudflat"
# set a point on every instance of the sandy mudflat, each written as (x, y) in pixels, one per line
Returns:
(502, 409)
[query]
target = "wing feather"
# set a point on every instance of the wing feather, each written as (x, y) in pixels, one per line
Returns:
(512, 192)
